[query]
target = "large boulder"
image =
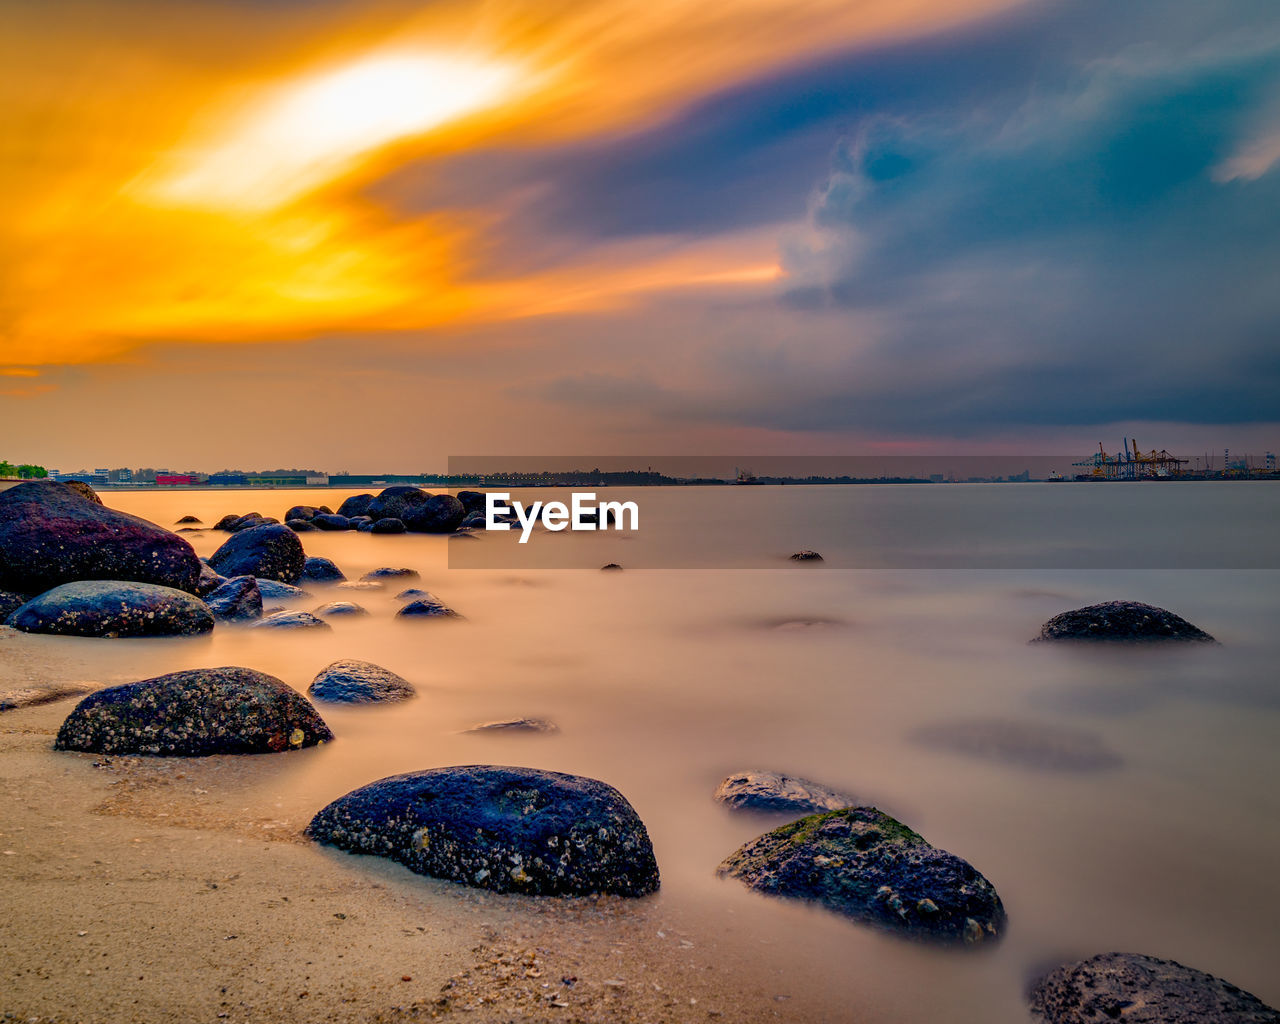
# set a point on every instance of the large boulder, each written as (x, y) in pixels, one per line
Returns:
(505, 829)
(113, 608)
(237, 600)
(209, 580)
(359, 682)
(306, 512)
(775, 793)
(194, 713)
(396, 502)
(50, 534)
(1142, 990)
(472, 501)
(866, 865)
(356, 505)
(84, 490)
(1124, 621)
(442, 513)
(270, 552)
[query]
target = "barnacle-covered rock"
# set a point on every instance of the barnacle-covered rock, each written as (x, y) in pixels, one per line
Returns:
(505, 829)
(113, 608)
(267, 551)
(866, 865)
(359, 682)
(194, 713)
(1122, 620)
(774, 792)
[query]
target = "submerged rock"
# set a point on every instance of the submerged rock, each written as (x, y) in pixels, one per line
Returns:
(806, 556)
(326, 521)
(186, 520)
(269, 552)
(1121, 620)
(250, 521)
(773, 792)
(193, 714)
(274, 590)
(339, 608)
(389, 573)
(301, 525)
(113, 608)
(427, 607)
(411, 593)
(517, 725)
(306, 512)
(226, 522)
(1040, 745)
(359, 682)
(504, 829)
(50, 534)
(441, 513)
(1142, 990)
(611, 567)
(38, 696)
(322, 570)
(866, 865)
(238, 599)
(290, 620)
(361, 585)
(388, 525)
(473, 521)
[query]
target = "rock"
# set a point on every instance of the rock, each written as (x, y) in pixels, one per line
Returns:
(189, 529)
(517, 725)
(1040, 745)
(502, 829)
(236, 600)
(411, 593)
(384, 526)
(866, 865)
(340, 609)
(322, 570)
(307, 512)
(473, 501)
(806, 556)
(396, 502)
(389, 573)
(773, 792)
(290, 620)
(1142, 990)
(361, 585)
(270, 552)
(10, 602)
(188, 519)
(250, 521)
(193, 714)
(273, 590)
(361, 523)
(359, 682)
(611, 567)
(427, 607)
(442, 513)
(356, 505)
(84, 490)
(474, 521)
(324, 521)
(209, 580)
(1121, 620)
(301, 526)
(38, 696)
(49, 535)
(226, 522)
(113, 608)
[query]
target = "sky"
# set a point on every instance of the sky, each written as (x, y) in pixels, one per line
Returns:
(372, 235)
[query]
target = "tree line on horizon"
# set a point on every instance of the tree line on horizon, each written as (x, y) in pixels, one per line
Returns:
(25, 471)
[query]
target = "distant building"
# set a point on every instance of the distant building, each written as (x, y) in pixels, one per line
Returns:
(174, 479)
(318, 480)
(227, 480)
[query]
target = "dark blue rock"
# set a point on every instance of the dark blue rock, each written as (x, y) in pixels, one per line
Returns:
(250, 521)
(383, 526)
(387, 572)
(356, 505)
(1130, 621)
(209, 580)
(290, 620)
(10, 602)
(301, 526)
(411, 593)
(866, 865)
(236, 600)
(227, 521)
(194, 713)
(396, 502)
(503, 829)
(441, 514)
(359, 682)
(322, 570)
(427, 608)
(274, 590)
(473, 501)
(189, 521)
(339, 609)
(268, 552)
(473, 521)
(50, 534)
(301, 512)
(331, 522)
(113, 608)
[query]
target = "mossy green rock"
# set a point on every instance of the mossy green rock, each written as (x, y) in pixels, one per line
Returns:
(866, 865)
(193, 714)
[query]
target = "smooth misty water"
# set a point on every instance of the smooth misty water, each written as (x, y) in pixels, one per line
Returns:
(665, 680)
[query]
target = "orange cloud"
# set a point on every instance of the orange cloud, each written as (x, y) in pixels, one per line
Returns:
(193, 173)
